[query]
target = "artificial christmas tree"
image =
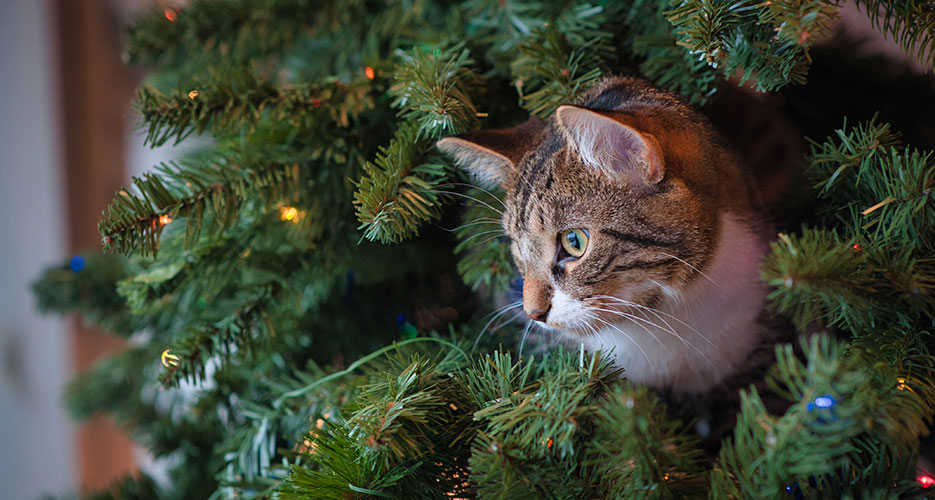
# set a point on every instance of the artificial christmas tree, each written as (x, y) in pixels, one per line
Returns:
(327, 279)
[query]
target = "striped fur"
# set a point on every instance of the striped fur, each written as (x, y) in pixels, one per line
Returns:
(669, 278)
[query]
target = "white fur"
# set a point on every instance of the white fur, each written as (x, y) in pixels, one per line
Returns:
(721, 309)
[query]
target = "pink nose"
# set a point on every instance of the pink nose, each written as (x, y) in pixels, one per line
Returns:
(538, 314)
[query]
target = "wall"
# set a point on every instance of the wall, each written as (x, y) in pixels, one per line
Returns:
(36, 440)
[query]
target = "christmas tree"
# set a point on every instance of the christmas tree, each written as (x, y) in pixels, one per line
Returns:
(328, 282)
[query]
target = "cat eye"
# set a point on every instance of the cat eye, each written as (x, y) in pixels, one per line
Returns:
(574, 241)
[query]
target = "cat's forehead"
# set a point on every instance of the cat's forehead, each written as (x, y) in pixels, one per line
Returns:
(553, 186)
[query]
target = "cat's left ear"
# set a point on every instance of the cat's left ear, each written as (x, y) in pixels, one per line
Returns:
(612, 147)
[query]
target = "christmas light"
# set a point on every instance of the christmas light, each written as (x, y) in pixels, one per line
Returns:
(824, 402)
(856, 247)
(164, 219)
(901, 384)
(369, 72)
(288, 213)
(925, 480)
(193, 94)
(169, 359)
(171, 15)
(77, 263)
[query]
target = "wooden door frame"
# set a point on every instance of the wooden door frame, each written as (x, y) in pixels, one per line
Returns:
(96, 90)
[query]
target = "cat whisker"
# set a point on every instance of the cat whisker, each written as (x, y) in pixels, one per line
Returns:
(482, 220)
(638, 306)
(699, 271)
(656, 312)
(522, 341)
(611, 325)
(491, 239)
(474, 186)
(637, 318)
(672, 331)
(482, 202)
(497, 313)
(499, 232)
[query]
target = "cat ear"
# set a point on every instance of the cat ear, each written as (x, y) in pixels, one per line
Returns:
(610, 146)
(492, 156)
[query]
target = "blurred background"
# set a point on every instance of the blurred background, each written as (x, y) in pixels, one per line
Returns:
(68, 141)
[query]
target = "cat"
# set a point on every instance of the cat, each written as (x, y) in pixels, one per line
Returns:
(636, 230)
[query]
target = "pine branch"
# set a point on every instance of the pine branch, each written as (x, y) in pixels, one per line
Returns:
(534, 432)
(647, 33)
(911, 24)
(550, 73)
(767, 42)
(819, 275)
(246, 324)
(891, 187)
(90, 291)
(236, 100)
(433, 90)
(398, 192)
(640, 453)
(832, 431)
(191, 191)
(840, 163)
(344, 472)
(486, 259)
(236, 29)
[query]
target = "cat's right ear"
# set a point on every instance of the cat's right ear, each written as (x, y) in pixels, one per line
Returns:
(492, 157)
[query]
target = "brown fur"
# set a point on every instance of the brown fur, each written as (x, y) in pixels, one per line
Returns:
(550, 190)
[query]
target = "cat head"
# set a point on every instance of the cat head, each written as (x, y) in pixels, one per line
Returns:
(612, 205)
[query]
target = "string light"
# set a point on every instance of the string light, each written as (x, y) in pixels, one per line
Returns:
(77, 263)
(925, 480)
(308, 447)
(369, 72)
(171, 15)
(169, 359)
(902, 385)
(164, 219)
(288, 213)
(824, 401)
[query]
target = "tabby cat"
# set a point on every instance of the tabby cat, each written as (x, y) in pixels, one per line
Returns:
(634, 228)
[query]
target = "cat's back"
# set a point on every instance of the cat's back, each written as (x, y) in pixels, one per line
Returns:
(634, 95)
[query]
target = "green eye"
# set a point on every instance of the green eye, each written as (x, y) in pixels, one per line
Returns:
(574, 241)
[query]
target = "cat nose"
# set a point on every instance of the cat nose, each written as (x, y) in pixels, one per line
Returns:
(538, 314)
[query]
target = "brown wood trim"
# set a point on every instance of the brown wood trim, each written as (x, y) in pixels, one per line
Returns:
(96, 90)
